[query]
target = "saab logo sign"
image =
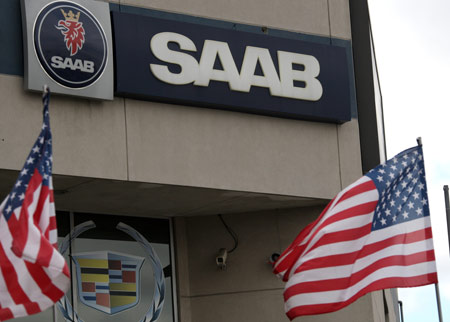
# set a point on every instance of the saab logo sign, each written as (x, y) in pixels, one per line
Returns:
(201, 65)
(108, 281)
(71, 45)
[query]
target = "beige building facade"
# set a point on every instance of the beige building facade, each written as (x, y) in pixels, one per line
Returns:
(267, 176)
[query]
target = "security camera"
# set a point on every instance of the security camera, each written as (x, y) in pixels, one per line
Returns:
(273, 258)
(221, 258)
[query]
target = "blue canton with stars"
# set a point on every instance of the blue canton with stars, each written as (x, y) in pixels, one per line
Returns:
(40, 159)
(402, 189)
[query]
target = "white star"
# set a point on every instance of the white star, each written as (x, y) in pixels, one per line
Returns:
(45, 176)
(392, 203)
(410, 205)
(18, 183)
(419, 211)
(44, 126)
(22, 196)
(420, 157)
(410, 189)
(416, 195)
(405, 215)
(404, 184)
(388, 212)
(24, 172)
(415, 180)
(410, 176)
(393, 167)
(404, 164)
(381, 171)
(394, 218)
(383, 221)
(379, 178)
(395, 160)
(404, 198)
(421, 186)
(13, 195)
(405, 157)
(391, 175)
(397, 193)
(424, 201)
(35, 149)
(30, 160)
(399, 208)
(8, 210)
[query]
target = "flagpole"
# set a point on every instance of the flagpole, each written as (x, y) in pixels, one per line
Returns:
(436, 286)
(447, 211)
(438, 299)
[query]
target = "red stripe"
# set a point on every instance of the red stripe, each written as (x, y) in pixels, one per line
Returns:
(375, 286)
(5, 314)
(51, 226)
(358, 210)
(20, 227)
(361, 188)
(12, 283)
(45, 252)
(348, 281)
(17, 230)
(37, 214)
(44, 282)
(343, 236)
(350, 258)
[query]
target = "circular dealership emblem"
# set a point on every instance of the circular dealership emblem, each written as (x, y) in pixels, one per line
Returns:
(70, 44)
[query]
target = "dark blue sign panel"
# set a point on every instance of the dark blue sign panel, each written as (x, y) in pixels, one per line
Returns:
(199, 65)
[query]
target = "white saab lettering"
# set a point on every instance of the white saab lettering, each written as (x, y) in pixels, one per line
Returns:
(202, 72)
(85, 66)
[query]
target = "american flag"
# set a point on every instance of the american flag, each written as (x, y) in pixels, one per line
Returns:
(375, 234)
(33, 275)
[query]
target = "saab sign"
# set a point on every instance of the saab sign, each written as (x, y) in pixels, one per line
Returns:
(201, 65)
(202, 72)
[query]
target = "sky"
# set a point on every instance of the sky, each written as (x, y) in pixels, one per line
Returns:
(412, 47)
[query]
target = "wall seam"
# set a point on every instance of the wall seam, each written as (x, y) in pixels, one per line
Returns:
(329, 20)
(339, 155)
(126, 137)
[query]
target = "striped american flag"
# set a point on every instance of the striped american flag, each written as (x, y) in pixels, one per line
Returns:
(33, 275)
(375, 234)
